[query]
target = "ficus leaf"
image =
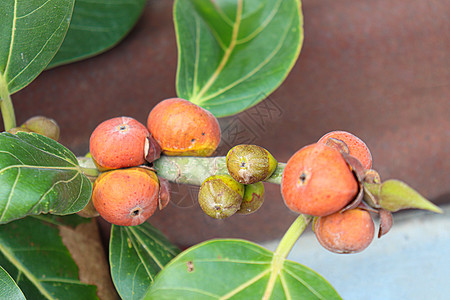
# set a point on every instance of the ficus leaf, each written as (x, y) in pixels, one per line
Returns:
(137, 254)
(33, 253)
(31, 32)
(39, 175)
(222, 269)
(395, 195)
(233, 54)
(8, 287)
(97, 26)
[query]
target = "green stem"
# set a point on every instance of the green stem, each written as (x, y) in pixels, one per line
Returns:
(6, 106)
(283, 249)
(194, 170)
(292, 235)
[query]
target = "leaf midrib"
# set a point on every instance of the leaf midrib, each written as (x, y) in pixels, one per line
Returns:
(197, 98)
(7, 253)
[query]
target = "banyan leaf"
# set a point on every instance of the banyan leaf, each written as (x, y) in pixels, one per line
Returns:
(39, 175)
(97, 26)
(8, 287)
(137, 254)
(31, 32)
(233, 54)
(32, 252)
(238, 269)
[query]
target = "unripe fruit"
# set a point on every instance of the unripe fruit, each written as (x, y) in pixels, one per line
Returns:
(253, 198)
(118, 143)
(183, 128)
(126, 197)
(15, 130)
(249, 164)
(317, 181)
(44, 126)
(348, 232)
(356, 146)
(220, 196)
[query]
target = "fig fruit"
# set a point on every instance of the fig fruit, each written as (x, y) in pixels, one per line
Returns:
(118, 143)
(318, 181)
(356, 147)
(249, 164)
(183, 128)
(348, 232)
(220, 196)
(253, 198)
(44, 126)
(126, 197)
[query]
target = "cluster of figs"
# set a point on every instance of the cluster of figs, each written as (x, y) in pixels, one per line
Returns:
(325, 180)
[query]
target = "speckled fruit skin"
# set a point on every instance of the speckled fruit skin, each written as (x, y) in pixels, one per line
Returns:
(356, 146)
(317, 181)
(126, 197)
(118, 143)
(348, 232)
(183, 128)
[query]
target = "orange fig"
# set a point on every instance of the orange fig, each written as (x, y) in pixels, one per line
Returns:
(345, 232)
(318, 181)
(183, 128)
(356, 147)
(118, 143)
(126, 197)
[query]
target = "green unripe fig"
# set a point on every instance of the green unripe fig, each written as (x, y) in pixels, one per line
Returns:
(44, 126)
(249, 164)
(220, 196)
(253, 198)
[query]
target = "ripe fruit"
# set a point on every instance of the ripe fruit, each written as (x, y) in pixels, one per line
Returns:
(183, 128)
(220, 196)
(347, 232)
(249, 164)
(118, 143)
(253, 198)
(126, 197)
(317, 181)
(356, 146)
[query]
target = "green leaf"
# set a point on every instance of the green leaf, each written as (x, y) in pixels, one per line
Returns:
(221, 269)
(395, 195)
(233, 54)
(39, 175)
(31, 32)
(137, 254)
(97, 26)
(33, 253)
(8, 287)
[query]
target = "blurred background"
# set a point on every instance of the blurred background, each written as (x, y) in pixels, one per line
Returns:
(379, 69)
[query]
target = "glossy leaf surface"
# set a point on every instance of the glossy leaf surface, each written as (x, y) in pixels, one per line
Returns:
(8, 287)
(233, 54)
(137, 254)
(97, 26)
(31, 32)
(39, 175)
(34, 255)
(237, 269)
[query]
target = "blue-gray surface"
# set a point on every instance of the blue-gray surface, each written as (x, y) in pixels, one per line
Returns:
(411, 262)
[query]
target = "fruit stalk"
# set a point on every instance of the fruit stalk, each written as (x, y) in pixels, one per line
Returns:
(6, 106)
(194, 170)
(283, 249)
